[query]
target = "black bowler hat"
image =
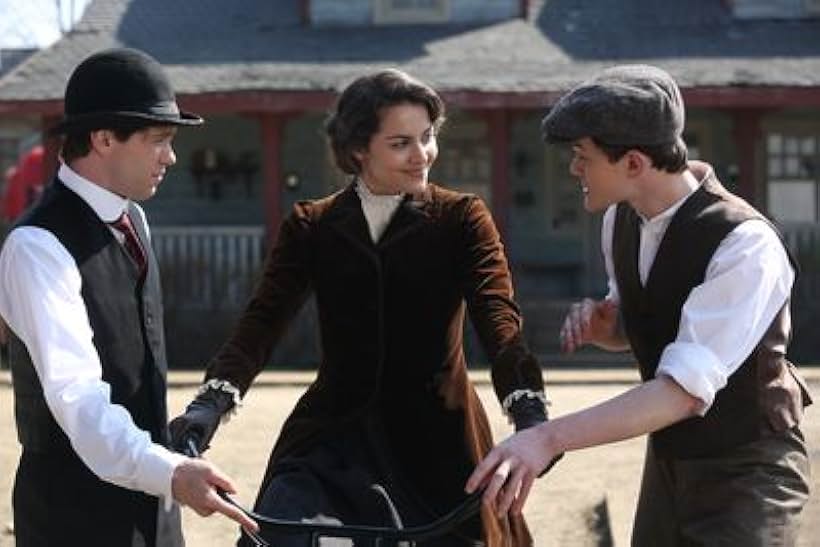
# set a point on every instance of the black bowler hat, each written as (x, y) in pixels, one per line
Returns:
(120, 85)
(626, 105)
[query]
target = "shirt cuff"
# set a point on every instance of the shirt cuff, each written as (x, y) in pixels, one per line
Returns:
(157, 469)
(226, 387)
(509, 400)
(696, 369)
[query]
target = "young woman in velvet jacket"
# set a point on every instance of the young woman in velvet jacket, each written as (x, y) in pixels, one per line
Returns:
(392, 427)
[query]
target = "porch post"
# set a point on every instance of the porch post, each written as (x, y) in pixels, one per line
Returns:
(51, 148)
(747, 135)
(499, 132)
(271, 125)
(304, 11)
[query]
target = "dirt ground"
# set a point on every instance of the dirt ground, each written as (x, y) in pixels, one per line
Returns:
(560, 510)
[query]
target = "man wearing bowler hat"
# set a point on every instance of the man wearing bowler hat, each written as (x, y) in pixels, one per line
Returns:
(79, 289)
(699, 288)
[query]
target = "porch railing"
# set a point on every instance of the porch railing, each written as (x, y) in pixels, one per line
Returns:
(208, 274)
(216, 266)
(208, 267)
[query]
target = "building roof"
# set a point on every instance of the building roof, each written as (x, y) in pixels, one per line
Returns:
(212, 46)
(11, 57)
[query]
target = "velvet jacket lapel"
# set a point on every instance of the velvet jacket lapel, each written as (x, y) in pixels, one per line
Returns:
(347, 217)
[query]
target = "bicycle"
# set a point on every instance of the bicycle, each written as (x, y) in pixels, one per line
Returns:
(376, 534)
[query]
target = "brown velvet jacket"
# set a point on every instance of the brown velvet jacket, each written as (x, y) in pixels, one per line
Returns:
(391, 318)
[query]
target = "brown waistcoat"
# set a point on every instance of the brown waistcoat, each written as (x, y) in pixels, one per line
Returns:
(765, 394)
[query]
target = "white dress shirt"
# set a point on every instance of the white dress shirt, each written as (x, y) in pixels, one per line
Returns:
(378, 209)
(40, 300)
(748, 280)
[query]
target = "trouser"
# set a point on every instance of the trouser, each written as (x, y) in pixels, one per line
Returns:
(57, 501)
(750, 497)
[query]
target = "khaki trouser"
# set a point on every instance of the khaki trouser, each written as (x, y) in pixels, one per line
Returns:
(751, 497)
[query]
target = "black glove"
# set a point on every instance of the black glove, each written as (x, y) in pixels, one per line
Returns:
(527, 412)
(200, 420)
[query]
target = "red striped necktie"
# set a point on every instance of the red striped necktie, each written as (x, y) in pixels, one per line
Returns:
(131, 242)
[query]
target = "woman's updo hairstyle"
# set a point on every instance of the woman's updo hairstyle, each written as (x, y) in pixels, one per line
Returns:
(357, 115)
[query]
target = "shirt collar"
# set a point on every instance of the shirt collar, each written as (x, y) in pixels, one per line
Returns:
(108, 205)
(663, 218)
(367, 196)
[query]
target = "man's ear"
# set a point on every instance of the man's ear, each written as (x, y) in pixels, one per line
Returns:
(101, 140)
(636, 163)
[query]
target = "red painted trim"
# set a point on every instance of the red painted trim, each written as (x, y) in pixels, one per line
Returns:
(314, 100)
(499, 99)
(752, 97)
(747, 135)
(271, 129)
(257, 101)
(45, 108)
(208, 103)
(711, 97)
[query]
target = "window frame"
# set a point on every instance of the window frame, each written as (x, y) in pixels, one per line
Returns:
(786, 132)
(385, 13)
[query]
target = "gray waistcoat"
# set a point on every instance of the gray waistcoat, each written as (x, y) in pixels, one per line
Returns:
(125, 314)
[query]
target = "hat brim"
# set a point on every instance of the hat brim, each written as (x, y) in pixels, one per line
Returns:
(106, 120)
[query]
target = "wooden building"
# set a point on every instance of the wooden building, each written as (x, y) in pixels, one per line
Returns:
(265, 72)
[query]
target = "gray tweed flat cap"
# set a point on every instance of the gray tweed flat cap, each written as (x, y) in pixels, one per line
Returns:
(623, 106)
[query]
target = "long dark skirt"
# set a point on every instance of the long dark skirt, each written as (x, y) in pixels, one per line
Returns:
(348, 479)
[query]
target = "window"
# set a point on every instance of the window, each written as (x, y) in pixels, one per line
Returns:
(566, 202)
(410, 11)
(775, 9)
(465, 159)
(793, 177)
(769, 9)
(812, 8)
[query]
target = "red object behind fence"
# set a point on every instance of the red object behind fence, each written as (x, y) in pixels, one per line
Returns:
(24, 182)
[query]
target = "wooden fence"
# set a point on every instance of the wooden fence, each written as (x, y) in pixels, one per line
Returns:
(208, 267)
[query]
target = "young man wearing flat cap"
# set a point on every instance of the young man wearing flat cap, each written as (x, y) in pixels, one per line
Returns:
(699, 288)
(79, 289)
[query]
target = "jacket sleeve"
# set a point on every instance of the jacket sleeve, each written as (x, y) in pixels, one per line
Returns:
(279, 294)
(487, 289)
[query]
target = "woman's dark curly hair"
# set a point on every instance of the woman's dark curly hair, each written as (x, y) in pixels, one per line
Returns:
(358, 112)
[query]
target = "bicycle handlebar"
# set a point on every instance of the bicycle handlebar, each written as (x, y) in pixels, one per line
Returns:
(469, 507)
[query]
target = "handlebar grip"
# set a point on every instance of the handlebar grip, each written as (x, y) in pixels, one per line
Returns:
(191, 443)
